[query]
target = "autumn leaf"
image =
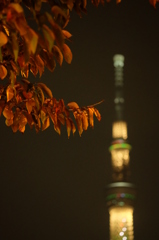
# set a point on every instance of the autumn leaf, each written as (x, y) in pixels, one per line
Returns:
(27, 95)
(97, 114)
(2, 104)
(10, 93)
(61, 118)
(58, 35)
(46, 123)
(39, 64)
(45, 89)
(91, 120)
(73, 105)
(84, 121)
(58, 11)
(29, 105)
(58, 54)
(3, 72)
(3, 38)
(66, 34)
(9, 121)
(49, 37)
(15, 46)
(31, 39)
(8, 113)
(67, 53)
(68, 126)
(16, 7)
(73, 127)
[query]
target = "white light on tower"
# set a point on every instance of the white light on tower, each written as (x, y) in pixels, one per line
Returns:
(121, 223)
(119, 130)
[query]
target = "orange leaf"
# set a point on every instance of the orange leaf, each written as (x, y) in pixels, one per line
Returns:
(2, 104)
(8, 113)
(16, 7)
(84, 121)
(78, 119)
(61, 118)
(68, 126)
(67, 53)
(73, 105)
(3, 72)
(73, 127)
(58, 54)
(14, 128)
(9, 121)
(97, 114)
(27, 95)
(39, 64)
(91, 120)
(66, 34)
(29, 105)
(58, 11)
(10, 93)
(3, 38)
(45, 89)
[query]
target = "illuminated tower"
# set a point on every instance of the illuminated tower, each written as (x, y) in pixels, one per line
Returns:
(120, 193)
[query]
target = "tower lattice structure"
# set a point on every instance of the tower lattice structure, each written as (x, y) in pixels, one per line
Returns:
(120, 193)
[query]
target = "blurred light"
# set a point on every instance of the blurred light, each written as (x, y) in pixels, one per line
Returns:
(121, 233)
(121, 223)
(124, 229)
(124, 238)
(119, 130)
(120, 158)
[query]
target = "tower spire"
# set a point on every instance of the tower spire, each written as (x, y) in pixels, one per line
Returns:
(120, 193)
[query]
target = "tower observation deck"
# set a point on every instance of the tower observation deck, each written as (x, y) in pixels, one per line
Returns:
(120, 193)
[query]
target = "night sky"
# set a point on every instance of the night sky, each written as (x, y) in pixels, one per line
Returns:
(52, 187)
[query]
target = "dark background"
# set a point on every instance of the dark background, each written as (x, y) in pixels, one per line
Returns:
(52, 187)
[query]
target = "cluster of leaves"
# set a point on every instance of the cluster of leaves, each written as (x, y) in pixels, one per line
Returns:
(25, 102)
(30, 40)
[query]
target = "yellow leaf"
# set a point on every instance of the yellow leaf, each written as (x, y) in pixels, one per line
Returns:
(67, 53)
(73, 105)
(15, 46)
(31, 39)
(10, 93)
(3, 72)
(3, 38)
(49, 37)
(46, 123)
